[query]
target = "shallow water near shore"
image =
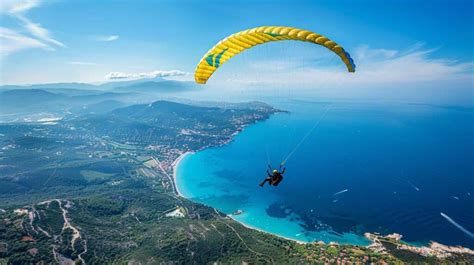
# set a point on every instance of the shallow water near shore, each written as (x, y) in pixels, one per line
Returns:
(367, 167)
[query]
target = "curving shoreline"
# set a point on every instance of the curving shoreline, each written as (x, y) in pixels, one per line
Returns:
(175, 165)
(266, 232)
(434, 248)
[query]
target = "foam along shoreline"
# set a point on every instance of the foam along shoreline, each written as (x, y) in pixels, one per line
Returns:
(266, 232)
(175, 167)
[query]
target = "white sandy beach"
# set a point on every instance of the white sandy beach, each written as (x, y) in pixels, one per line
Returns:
(263, 231)
(175, 167)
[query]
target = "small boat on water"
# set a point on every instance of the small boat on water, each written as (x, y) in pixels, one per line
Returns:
(237, 212)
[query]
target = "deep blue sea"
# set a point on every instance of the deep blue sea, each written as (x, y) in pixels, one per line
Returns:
(367, 167)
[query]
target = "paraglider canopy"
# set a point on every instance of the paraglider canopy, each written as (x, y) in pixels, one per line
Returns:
(240, 41)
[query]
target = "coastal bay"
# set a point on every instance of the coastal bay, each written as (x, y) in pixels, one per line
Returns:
(347, 168)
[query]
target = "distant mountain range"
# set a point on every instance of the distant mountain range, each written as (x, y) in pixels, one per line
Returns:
(18, 103)
(165, 86)
(26, 97)
(143, 85)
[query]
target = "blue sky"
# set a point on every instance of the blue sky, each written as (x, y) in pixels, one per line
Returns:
(83, 41)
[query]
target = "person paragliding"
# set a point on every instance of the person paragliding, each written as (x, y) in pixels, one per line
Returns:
(238, 42)
(274, 178)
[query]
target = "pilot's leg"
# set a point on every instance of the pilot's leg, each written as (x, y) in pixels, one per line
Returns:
(263, 182)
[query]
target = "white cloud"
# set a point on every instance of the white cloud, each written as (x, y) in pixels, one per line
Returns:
(158, 73)
(40, 37)
(17, 6)
(107, 38)
(373, 67)
(13, 42)
(412, 66)
(364, 52)
(38, 31)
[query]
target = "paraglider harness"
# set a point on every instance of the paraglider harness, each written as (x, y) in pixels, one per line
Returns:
(275, 177)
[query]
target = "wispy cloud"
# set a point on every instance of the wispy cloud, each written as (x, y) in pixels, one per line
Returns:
(13, 42)
(38, 31)
(374, 67)
(107, 38)
(40, 36)
(17, 6)
(158, 73)
(414, 65)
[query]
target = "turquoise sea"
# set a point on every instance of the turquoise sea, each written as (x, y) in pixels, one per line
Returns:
(367, 167)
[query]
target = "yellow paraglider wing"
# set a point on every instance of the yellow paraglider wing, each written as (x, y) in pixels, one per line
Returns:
(236, 43)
